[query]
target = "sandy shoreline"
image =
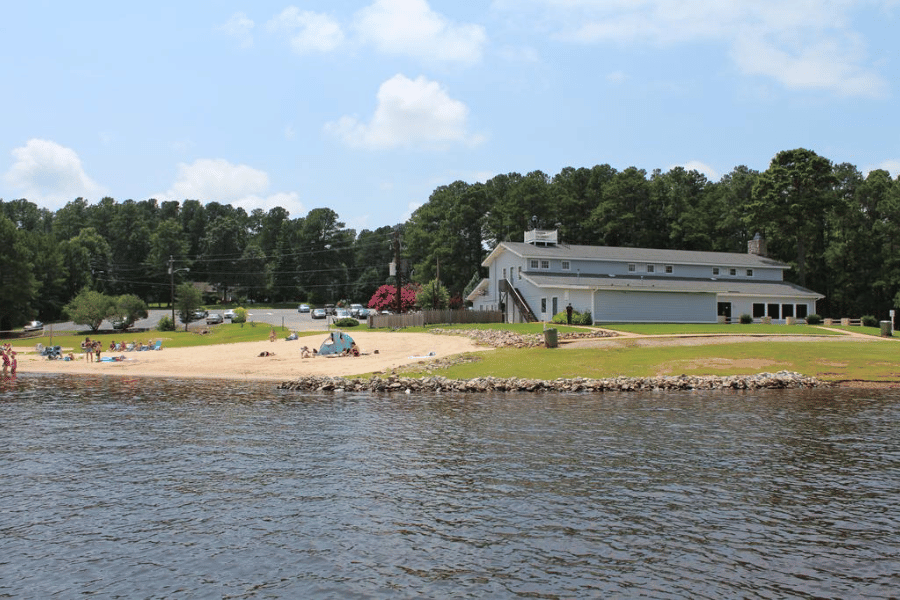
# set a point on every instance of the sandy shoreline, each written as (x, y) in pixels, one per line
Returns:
(241, 361)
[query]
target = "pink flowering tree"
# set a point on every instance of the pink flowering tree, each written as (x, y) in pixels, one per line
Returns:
(385, 298)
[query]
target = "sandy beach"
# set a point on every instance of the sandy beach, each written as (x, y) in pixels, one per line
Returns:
(242, 361)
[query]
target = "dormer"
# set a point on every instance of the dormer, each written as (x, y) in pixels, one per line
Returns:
(541, 237)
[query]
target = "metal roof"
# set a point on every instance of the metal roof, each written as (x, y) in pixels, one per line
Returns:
(671, 284)
(635, 255)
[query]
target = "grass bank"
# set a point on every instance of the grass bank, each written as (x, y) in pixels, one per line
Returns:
(226, 333)
(833, 360)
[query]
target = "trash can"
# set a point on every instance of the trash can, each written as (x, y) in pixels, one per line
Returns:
(550, 338)
(886, 327)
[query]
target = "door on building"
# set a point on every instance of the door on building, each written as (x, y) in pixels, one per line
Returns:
(724, 310)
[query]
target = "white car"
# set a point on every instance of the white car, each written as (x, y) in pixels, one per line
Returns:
(33, 326)
(229, 314)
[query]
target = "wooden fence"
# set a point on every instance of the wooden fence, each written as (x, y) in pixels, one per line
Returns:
(435, 317)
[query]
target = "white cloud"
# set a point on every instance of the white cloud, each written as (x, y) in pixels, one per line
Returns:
(411, 28)
(410, 113)
(892, 166)
(828, 64)
(217, 180)
(616, 77)
(700, 167)
(308, 31)
(240, 27)
(50, 175)
(803, 44)
(410, 209)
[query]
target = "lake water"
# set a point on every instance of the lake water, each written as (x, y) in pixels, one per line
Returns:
(136, 488)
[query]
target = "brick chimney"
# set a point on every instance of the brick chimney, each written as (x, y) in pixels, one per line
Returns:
(757, 245)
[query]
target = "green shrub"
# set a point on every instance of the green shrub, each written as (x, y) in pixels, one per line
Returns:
(346, 322)
(869, 321)
(165, 323)
(240, 315)
(577, 318)
(746, 319)
(813, 319)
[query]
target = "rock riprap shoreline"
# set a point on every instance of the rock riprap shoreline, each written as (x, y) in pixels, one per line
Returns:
(393, 383)
(508, 339)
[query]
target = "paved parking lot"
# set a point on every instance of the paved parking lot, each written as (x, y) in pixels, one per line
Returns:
(287, 317)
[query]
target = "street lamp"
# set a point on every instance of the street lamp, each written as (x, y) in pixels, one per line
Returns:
(172, 272)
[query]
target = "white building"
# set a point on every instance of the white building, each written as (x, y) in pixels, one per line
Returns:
(636, 285)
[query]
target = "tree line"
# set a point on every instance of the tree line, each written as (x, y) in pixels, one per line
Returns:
(834, 226)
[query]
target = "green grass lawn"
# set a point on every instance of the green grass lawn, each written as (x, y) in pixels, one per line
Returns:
(832, 360)
(711, 328)
(226, 333)
(875, 331)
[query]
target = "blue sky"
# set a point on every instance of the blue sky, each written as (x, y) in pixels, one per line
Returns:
(367, 107)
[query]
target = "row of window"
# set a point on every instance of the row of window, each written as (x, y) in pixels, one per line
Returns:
(632, 268)
(779, 311)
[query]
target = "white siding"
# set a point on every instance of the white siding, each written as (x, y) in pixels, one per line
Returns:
(653, 307)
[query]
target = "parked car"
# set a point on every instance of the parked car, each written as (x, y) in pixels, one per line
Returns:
(354, 310)
(341, 313)
(303, 308)
(200, 313)
(214, 319)
(117, 324)
(363, 313)
(318, 313)
(229, 314)
(33, 326)
(329, 309)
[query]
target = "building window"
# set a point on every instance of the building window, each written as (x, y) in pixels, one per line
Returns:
(774, 311)
(670, 269)
(520, 273)
(651, 268)
(801, 311)
(534, 263)
(631, 268)
(545, 264)
(715, 270)
(543, 305)
(759, 310)
(749, 272)
(504, 272)
(732, 272)
(787, 310)
(565, 265)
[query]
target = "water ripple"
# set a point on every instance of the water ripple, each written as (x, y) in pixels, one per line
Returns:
(160, 489)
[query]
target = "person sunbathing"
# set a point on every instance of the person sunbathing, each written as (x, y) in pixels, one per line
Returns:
(266, 353)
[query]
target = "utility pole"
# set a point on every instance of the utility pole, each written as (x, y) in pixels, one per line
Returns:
(172, 271)
(397, 262)
(172, 287)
